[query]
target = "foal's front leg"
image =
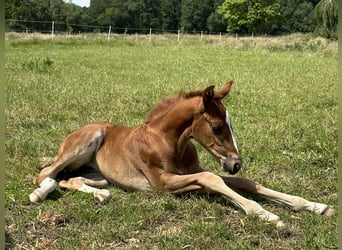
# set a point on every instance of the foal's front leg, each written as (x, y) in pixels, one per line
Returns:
(208, 182)
(294, 202)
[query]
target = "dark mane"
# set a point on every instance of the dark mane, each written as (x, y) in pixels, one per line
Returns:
(165, 105)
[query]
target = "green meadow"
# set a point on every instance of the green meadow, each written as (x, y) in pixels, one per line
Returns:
(283, 107)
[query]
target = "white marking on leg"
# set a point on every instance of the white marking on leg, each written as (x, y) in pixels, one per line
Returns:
(87, 189)
(231, 130)
(46, 186)
(317, 208)
(268, 216)
(101, 195)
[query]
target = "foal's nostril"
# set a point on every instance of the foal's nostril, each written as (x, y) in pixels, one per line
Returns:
(236, 167)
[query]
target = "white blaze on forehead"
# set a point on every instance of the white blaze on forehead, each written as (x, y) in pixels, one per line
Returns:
(231, 130)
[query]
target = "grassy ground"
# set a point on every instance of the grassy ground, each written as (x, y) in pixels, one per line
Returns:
(284, 111)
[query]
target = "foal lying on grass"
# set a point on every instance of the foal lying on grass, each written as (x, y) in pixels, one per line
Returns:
(160, 155)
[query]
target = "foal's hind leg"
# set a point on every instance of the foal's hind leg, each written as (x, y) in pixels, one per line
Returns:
(88, 186)
(294, 202)
(75, 151)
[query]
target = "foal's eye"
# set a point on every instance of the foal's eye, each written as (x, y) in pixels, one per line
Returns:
(217, 129)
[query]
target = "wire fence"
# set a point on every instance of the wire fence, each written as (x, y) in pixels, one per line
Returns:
(55, 29)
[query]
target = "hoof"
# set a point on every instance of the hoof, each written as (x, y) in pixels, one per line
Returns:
(35, 198)
(328, 211)
(46, 186)
(102, 196)
(270, 217)
(320, 208)
(279, 224)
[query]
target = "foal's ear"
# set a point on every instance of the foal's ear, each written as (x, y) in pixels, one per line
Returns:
(220, 94)
(208, 95)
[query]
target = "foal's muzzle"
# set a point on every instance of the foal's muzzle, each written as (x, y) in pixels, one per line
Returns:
(231, 164)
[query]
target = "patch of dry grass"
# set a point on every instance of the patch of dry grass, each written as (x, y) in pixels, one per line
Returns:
(295, 41)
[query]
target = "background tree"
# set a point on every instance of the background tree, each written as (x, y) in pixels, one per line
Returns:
(120, 16)
(235, 13)
(106, 17)
(194, 15)
(19, 10)
(73, 17)
(149, 16)
(97, 7)
(297, 16)
(327, 18)
(216, 22)
(170, 13)
(41, 10)
(249, 15)
(243, 16)
(58, 15)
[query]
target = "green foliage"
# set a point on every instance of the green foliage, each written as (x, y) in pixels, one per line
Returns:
(216, 23)
(42, 13)
(327, 18)
(297, 16)
(284, 110)
(243, 16)
(170, 12)
(251, 16)
(195, 14)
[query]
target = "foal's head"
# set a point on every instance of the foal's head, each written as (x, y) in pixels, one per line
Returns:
(213, 130)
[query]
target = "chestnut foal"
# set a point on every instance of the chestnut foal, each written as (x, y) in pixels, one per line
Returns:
(160, 155)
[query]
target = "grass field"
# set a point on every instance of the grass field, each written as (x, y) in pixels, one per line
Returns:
(284, 111)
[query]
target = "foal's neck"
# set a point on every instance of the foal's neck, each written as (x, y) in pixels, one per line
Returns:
(178, 119)
(182, 142)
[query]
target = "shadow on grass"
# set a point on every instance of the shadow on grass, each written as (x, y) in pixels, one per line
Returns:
(8, 241)
(55, 195)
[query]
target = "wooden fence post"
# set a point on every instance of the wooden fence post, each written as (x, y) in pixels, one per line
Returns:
(52, 29)
(109, 31)
(150, 38)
